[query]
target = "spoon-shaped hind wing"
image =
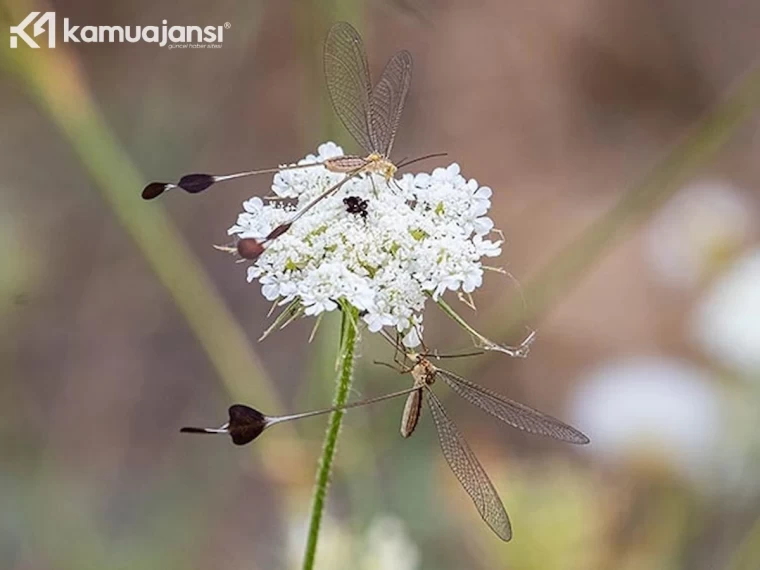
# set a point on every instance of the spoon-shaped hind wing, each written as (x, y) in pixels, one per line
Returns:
(246, 424)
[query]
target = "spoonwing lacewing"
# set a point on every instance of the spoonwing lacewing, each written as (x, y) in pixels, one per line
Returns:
(457, 452)
(246, 424)
(370, 114)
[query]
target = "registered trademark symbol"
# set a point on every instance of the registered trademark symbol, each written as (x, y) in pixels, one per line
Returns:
(227, 25)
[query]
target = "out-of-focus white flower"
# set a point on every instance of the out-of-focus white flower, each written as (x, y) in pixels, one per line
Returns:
(695, 232)
(388, 547)
(336, 544)
(664, 407)
(423, 235)
(385, 546)
(726, 323)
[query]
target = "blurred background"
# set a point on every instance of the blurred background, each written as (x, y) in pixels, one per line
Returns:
(120, 323)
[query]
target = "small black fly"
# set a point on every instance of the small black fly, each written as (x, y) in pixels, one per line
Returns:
(356, 205)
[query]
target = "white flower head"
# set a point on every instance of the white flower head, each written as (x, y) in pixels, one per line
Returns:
(726, 323)
(388, 546)
(413, 238)
(384, 545)
(705, 224)
(665, 407)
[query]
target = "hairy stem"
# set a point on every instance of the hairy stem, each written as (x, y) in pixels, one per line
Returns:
(343, 384)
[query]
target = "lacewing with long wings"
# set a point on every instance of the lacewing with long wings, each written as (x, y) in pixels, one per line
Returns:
(246, 424)
(370, 114)
(458, 454)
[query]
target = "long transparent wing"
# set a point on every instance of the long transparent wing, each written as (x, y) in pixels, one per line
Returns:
(387, 101)
(468, 470)
(513, 413)
(348, 82)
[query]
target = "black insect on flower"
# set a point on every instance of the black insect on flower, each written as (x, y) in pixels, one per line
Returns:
(356, 205)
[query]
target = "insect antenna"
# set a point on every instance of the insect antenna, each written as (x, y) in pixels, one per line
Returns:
(405, 162)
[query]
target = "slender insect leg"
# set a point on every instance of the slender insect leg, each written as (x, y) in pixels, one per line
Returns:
(396, 348)
(439, 356)
(401, 363)
(331, 190)
(403, 368)
(252, 248)
(422, 342)
(395, 182)
(400, 357)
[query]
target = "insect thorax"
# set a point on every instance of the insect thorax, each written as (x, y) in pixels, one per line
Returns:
(378, 164)
(423, 372)
(375, 163)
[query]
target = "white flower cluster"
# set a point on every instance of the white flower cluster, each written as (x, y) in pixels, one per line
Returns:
(384, 545)
(415, 237)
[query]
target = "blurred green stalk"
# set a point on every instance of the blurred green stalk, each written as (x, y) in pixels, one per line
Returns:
(747, 554)
(313, 25)
(54, 79)
(574, 260)
(348, 338)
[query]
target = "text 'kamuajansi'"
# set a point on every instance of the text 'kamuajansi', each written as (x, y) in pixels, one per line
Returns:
(162, 35)
(173, 36)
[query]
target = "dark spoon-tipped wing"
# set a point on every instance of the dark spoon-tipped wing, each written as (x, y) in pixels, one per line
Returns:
(513, 413)
(246, 424)
(387, 101)
(348, 82)
(468, 470)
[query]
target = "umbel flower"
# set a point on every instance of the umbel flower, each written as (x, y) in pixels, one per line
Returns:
(384, 247)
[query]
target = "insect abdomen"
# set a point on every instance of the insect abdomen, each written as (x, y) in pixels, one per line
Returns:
(345, 163)
(411, 415)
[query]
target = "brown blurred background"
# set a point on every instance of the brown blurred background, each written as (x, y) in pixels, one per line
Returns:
(121, 323)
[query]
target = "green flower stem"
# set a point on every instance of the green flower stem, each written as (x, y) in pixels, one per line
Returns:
(343, 384)
(747, 554)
